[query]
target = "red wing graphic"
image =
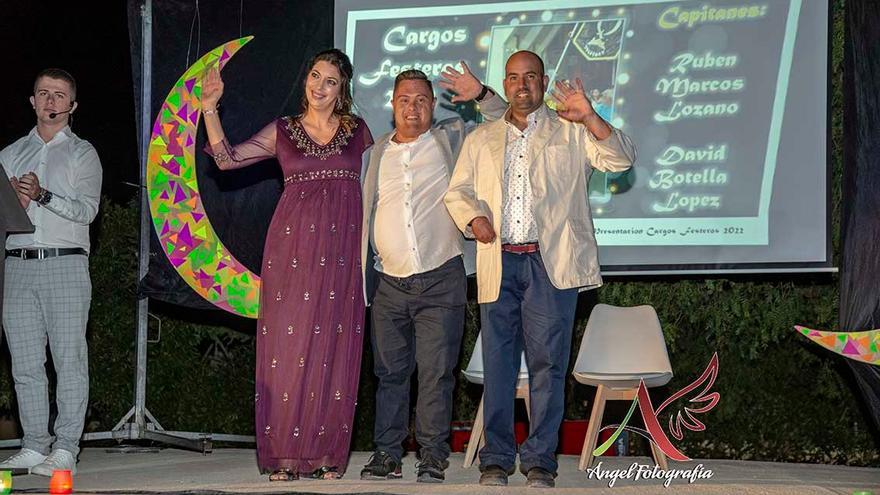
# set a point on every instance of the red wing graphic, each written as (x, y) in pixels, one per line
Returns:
(688, 420)
(709, 400)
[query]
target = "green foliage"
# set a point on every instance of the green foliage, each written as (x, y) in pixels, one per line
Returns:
(782, 397)
(111, 329)
(200, 377)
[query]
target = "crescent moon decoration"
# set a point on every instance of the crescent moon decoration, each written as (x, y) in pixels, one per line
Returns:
(185, 233)
(860, 346)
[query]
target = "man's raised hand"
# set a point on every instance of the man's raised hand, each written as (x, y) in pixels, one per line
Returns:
(464, 84)
(572, 103)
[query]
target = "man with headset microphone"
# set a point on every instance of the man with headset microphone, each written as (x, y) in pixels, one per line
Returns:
(47, 292)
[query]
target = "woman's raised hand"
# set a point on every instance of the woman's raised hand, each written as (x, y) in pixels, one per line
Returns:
(212, 89)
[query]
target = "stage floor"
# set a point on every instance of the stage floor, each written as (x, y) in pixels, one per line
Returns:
(234, 471)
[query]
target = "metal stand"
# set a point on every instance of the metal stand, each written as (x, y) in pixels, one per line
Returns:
(139, 423)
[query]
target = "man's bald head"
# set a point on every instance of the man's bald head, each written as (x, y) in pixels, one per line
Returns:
(528, 54)
(524, 83)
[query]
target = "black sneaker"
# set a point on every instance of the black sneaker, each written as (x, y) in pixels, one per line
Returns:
(540, 478)
(381, 467)
(493, 475)
(431, 470)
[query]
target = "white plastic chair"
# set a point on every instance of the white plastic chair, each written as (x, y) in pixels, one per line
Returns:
(620, 347)
(474, 374)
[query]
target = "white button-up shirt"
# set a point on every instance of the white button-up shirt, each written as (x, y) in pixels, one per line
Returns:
(412, 230)
(517, 219)
(70, 169)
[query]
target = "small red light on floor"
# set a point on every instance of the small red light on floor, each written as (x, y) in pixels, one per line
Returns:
(61, 482)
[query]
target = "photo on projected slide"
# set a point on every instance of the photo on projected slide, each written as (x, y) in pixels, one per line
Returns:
(724, 99)
(585, 50)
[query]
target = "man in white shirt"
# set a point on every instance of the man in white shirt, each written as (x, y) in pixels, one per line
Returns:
(416, 281)
(47, 289)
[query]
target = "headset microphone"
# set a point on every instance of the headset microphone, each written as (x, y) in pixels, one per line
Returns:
(55, 114)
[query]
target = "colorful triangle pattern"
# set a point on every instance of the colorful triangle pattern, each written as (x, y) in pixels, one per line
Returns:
(861, 346)
(179, 217)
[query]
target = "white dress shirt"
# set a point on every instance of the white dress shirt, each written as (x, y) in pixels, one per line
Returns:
(70, 169)
(517, 220)
(412, 231)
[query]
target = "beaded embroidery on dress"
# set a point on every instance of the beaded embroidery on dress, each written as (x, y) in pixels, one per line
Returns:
(309, 147)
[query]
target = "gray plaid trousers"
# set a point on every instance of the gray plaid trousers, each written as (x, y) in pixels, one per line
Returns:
(48, 301)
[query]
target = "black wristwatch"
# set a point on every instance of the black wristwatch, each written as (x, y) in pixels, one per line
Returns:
(483, 93)
(44, 197)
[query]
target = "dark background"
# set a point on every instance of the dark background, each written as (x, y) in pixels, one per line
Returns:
(99, 44)
(262, 82)
(94, 48)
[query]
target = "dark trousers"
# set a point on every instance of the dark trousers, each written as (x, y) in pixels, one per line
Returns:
(417, 323)
(533, 315)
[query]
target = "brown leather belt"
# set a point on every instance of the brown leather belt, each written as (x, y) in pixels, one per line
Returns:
(531, 247)
(41, 254)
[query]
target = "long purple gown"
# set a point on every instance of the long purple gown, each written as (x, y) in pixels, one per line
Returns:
(310, 330)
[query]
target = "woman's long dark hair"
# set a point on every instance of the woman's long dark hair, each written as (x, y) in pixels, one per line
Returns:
(344, 103)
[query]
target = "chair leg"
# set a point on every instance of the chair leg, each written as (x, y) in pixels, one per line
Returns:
(476, 440)
(659, 457)
(593, 428)
(523, 393)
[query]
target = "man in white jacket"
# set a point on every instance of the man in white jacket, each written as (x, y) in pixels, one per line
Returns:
(520, 188)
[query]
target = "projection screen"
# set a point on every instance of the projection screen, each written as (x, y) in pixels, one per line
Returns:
(727, 102)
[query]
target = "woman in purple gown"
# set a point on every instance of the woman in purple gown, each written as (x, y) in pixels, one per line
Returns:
(310, 330)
